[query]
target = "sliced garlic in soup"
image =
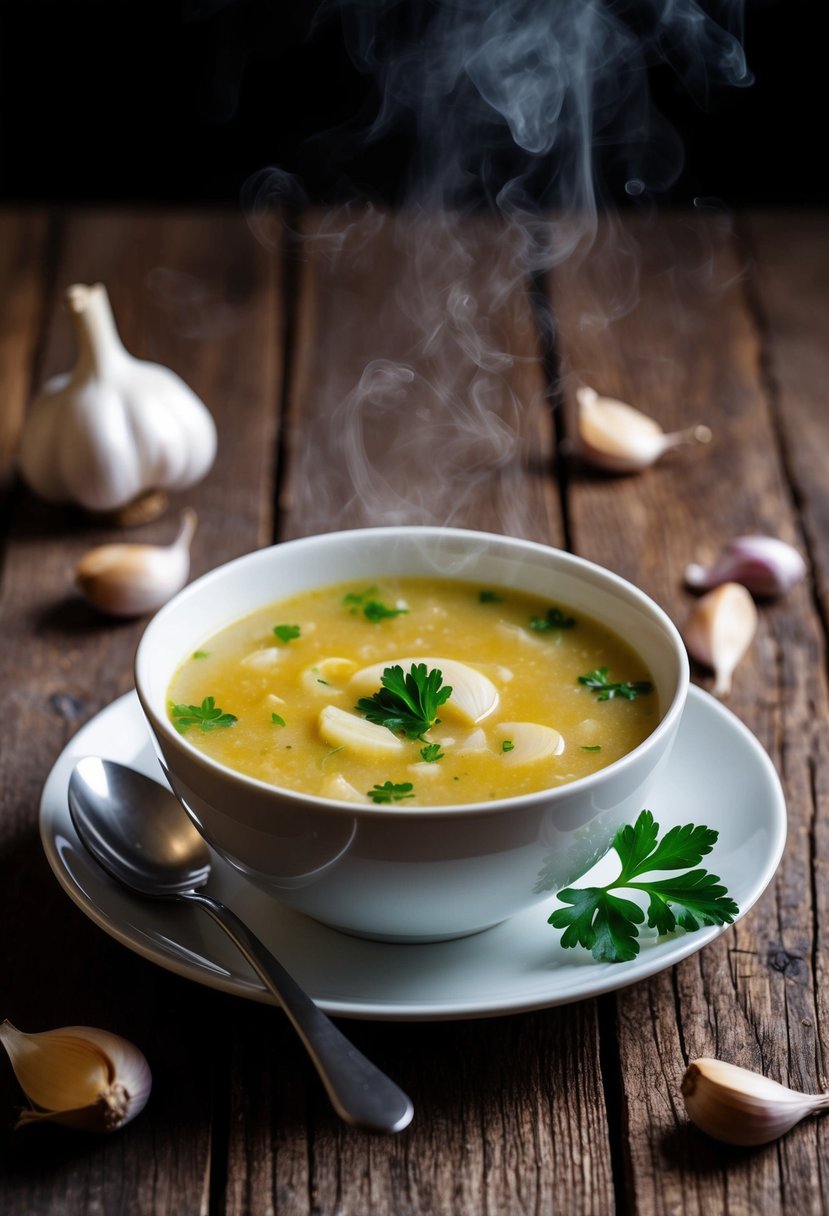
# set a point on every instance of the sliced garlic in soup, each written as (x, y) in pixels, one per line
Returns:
(327, 675)
(473, 698)
(336, 786)
(531, 742)
(262, 660)
(475, 741)
(342, 729)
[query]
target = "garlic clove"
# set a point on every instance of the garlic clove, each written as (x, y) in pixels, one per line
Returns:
(131, 579)
(531, 742)
(741, 1107)
(78, 1076)
(614, 436)
(720, 630)
(342, 729)
(765, 565)
(327, 676)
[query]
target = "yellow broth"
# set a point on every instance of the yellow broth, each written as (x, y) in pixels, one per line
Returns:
(291, 675)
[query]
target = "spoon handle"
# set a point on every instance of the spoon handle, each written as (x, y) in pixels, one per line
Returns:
(360, 1093)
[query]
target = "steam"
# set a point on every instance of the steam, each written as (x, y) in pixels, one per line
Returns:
(533, 113)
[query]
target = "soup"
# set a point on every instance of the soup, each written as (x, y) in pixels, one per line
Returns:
(414, 691)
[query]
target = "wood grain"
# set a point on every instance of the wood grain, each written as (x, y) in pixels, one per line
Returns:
(60, 664)
(418, 394)
(25, 270)
(688, 348)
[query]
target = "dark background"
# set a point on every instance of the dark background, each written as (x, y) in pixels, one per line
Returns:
(183, 102)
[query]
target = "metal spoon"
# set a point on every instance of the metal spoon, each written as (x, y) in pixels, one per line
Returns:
(141, 835)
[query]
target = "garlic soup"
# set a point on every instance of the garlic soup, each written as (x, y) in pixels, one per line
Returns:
(342, 693)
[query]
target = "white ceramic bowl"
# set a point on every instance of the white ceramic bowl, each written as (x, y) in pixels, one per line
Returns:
(407, 873)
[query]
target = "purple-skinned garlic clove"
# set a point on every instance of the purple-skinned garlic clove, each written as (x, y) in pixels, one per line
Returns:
(720, 630)
(765, 565)
(617, 438)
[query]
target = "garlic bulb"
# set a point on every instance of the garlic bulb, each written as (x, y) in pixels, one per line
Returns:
(720, 630)
(79, 1076)
(620, 439)
(763, 564)
(115, 427)
(130, 579)
(743, 1107)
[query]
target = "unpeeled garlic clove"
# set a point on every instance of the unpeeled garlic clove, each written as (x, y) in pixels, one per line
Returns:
(720, 630)
(742, 1107)
(79, 1076)
(765, 565)
(131, 579)
(620, 439)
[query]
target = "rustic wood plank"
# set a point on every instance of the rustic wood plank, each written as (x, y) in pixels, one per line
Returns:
(508, 1118)
(510, 1115)
(198, 295)
(685, 348)
(25, 269)
(418, 395)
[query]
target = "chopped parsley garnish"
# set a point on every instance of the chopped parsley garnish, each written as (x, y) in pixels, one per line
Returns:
(606, 924)
(407, 703)
(608, 689)
(431, 752)
(389, 792)
(206, 716)
(555, 619)
(354, 600)
(490, 597)
(200, 654)
(507, 745)
(591, 747)
(287, 633)
(374, 610)
(277, 720)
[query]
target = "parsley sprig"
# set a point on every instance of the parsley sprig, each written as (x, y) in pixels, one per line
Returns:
(408, 702)
(391, 792)
(373, 610)
(206, 716)
(608, 689)
(554, 619)
(287, 633)
(606, 924)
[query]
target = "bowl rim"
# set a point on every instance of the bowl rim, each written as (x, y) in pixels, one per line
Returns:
(161, 725)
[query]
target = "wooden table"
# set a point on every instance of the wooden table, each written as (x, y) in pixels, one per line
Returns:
(367, 369)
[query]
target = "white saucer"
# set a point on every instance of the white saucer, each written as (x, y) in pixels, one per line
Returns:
(718, 775)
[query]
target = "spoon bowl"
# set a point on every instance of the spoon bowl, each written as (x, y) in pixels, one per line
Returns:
(136, 829)
(142, 837)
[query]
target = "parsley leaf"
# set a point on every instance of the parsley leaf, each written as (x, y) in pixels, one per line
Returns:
(277, 720)
(207, 716)
(287, 633)
(507, 745)
(490, 597)
(591, 747)
(555, 619)
(607, 689)
(431, 752)
(389, 792)
(406, 704)
(605, 923)
(200, 654)
(374, 610)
